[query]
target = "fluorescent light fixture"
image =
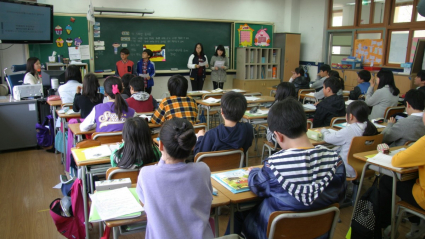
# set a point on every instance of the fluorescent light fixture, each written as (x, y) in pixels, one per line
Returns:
(123, 10)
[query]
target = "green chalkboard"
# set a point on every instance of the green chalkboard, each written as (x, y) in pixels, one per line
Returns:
(79, 29)
(179, 38)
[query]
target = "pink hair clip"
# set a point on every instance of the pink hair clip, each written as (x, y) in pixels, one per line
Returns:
(115, 89)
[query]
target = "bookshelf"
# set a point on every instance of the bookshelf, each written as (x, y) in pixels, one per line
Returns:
(62, 66)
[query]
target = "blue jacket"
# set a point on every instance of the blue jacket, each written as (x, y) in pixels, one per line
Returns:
(150, 71)
(264, 183)
(222, 138)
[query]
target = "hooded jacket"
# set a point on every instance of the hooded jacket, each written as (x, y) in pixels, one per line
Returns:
(331, 106)
(223, 138)
(141, 102)
(301, 83)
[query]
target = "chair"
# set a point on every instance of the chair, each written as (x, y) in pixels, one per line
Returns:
(390, 111)
(198, 127)
(214, 110)
(222, 160)
(337, 120)
(404, 207)
(303, 225)
(117, 173)
(15, 79)
(304, 91)
(69, 105)
(107, 137)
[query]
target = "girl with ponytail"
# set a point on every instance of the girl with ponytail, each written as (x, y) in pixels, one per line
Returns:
(174, 184)
(109, 116)
(358, 124)
(300, 79)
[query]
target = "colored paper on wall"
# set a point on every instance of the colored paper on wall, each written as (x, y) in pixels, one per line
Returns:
(370, 50)
(158, 51)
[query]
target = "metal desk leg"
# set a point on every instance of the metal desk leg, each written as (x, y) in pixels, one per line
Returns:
(86, 215)
(208, 117)
(64, 142)
(358, 190)
(393, 212)
(53, 109)
(115, 232)
(232, 218)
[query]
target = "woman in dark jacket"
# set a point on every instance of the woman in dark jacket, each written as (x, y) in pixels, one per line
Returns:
(197, 64)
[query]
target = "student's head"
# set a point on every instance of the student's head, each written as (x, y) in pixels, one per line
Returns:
(199, 50)
(90, 87)
(177, 85)
(73, 73)
(335, 74)
(324, 70)
(419, 79)
(137, 143)
(147, 54)
(284, 90)
(358, 111)
(220, 51)
(137, 84)
(177, 138)
(124, 53)
(386, 77)
(233, 106)
(113, 88)
(331, 86)
(287, 118)
(415, 101)
(33, 65)
(126, 79)
(363, 76)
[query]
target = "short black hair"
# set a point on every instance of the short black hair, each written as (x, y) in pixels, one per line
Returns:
(178, 137)
(177, 85)
(221, 48)
(364, 75)
(125, 51)
(336, 75)
(73, 72)
(233, 105)
(325, 67)
(333, 83)
(421, 74)
(416, 99)
(284, 90)
(126, 79)
(138, 83)
(288, 118)
(149, 52)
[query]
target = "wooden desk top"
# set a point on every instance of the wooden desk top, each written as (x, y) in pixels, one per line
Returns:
(55, 103)
(262, 99)
(62, 115)
(379, 129)
(75, 129)
(80, 158)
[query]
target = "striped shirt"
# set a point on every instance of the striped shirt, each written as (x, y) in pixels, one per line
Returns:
(176, 107)
(305, 173)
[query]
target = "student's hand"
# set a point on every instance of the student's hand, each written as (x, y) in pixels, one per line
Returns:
(148, 77)
(320, 129)
(392, 120)
(223, 67)
(216, 68)
(79, 88)
(315, 104)
(372, 82)
(207, 66)
(196, 66)
(201, 133)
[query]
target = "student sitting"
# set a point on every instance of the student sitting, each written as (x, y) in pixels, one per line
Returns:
(363, 78)
(385, 96)
(110, 116)
(232, 134)
(137, 148)
(72, 81)
(86, 101)
(299, 177)
(410, 128)
(411, 191)
(358, 125)
(126, 85)
(176, 195)
(140, 101)
(178, 104)
(332, 106)
(300, 79)
(283, 91)
(322, 75)
(319, 95)
(420, 80)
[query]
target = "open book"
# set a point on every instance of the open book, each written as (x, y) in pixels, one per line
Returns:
(384, 159)
(100, 151)
(236, 180)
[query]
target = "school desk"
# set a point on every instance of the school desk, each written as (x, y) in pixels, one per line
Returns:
(378, 128)
(63, 118)
(272, 90)
(53, 105)
(396, 174)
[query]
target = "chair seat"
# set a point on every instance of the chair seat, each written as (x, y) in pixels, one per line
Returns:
(411, 207)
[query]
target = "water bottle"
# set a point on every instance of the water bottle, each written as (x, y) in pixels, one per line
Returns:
(59, 58)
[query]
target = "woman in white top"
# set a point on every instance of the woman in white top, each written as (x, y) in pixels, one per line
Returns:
(33, 69)
(385, 96)
(197, 63)
(72, 81)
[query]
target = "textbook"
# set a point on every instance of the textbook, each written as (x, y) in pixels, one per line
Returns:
(236, 180)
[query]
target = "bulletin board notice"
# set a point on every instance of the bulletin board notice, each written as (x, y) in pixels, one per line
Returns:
(370, 49)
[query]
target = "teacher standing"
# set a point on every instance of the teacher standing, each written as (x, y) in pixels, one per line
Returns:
(197, 64)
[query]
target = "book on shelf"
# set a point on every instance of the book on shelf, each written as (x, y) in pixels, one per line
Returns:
(235, 181)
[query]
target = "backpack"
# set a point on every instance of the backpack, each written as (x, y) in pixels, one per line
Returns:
(45, 132)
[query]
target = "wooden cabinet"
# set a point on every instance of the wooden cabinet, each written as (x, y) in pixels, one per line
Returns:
(404, 83)
(290, 43)
(350, 79)
(255, 85)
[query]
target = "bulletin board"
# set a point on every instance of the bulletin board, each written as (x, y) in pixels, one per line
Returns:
(371, 50)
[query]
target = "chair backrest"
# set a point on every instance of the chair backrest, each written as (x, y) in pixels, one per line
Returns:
(200, 126)
(222, 160)
(309, 124)
(287, 224)
(213, 95)
(390, 111)
(69, 105)
(337, 120)
(108, 137)
(253, 94)
(87, 143)
(117, 173)
(304, 91)
(362, 144)
(345, 97)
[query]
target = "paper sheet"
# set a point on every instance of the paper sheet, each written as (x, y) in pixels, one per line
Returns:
(212, 100)
(384, 159)
(219, 64)
(85, 52)
(97, 152)
(348, 102)
(251, 98)
(198, 91)
(144, 75)
(202, 64)
(310, 94)
(310, 106)
(74, 54)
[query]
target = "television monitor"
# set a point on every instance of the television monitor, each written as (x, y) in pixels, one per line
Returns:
(46, 77)
(23, 22)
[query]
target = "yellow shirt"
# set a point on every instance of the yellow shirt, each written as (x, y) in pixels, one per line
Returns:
(411, 157)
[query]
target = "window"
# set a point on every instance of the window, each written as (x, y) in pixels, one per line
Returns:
(340, 45)
(343, 12)
(403, 11)
(379, 10)
(398, 47)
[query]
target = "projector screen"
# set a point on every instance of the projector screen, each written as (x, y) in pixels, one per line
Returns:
(25, 23)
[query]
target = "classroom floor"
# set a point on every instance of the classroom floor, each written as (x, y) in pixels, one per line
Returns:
(27, 178)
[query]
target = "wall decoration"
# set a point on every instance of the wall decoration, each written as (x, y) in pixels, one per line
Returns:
(78, 41)
(69, 41)
(68, 29)
(262, 38)
(59, 42)
(116, 45)
(58, 30)
(72, 19)
(245, 35)
(371, 50)
(158, 51)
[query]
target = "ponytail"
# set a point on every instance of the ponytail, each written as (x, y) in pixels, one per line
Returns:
(113, 87)
(360, 110)
(370, 129)
(336, 75)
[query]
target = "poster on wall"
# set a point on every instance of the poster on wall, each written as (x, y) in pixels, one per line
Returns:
(158, 51)
(253, 35)
(371, 50)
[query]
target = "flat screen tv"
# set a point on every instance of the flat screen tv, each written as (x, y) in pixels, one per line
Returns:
(22, 22)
